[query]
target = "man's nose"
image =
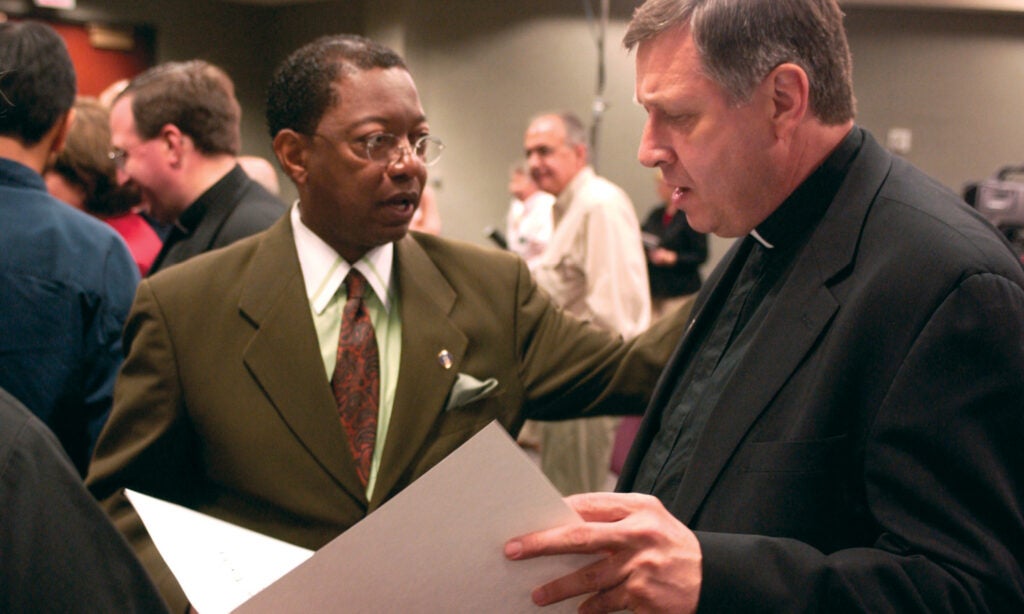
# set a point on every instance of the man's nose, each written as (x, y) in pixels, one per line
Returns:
(653, 150)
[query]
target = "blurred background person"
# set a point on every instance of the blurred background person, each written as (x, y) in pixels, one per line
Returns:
(529, 222)
(66, 279)
(84, 176)
(111, 92)
(106, 98)
(528, 229)
(175, 136)
(593, 267)
(674, 253)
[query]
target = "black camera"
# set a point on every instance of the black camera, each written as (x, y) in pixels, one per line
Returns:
(1000, 199)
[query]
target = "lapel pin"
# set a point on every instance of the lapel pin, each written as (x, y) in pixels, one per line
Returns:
(444, 358)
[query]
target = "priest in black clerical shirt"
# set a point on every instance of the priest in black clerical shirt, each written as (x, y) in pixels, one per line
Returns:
(839, 429)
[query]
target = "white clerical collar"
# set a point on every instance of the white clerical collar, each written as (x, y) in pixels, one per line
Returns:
(761, 239)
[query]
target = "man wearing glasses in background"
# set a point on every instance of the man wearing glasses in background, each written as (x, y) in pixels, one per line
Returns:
(175, 136)
(298, 379)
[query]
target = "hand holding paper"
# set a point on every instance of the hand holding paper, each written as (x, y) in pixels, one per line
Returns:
(655, 562)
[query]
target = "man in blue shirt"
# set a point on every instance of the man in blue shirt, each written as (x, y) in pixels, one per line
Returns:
(66, 279)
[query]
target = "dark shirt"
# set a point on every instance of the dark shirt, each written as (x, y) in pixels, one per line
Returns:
(691, 248)
(66, 284)
(233, 208)
(764, 264)
(58, 550)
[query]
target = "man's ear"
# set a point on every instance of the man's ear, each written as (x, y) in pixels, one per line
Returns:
(175, 142)
(582, 154)
(291, 149)
(52, 143)
(61, 130)
(790, 95)
(65, 128)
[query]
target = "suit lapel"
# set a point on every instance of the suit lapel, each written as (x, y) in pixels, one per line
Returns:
(782, 341)
(426, 302)
(707, 304)
(284, 356)
(798, 318)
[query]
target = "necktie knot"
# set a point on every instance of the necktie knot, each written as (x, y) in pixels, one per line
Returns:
(355, 284)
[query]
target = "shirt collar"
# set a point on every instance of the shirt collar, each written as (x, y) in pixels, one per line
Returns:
(803, 208)
(16, 173)
(567, 196)
(324, 271)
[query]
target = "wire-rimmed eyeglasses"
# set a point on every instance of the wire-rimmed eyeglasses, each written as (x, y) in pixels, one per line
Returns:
(386, 148)
(118, 156)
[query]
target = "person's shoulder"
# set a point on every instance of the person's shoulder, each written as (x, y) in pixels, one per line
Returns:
(253, 210)
(257, 196)
(257, 206)
(220, 265)
(82, 229)
(599, 191)
(437, 246)
(461, 259)
(926, 222)
(20, 429)
(13, 419)
(74, 242)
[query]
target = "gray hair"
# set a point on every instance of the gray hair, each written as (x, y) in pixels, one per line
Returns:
(740, 41)
(575, 131)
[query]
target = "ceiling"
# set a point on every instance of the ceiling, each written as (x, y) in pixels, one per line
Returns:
(996, 5)
(1013, 6)
(273, 2)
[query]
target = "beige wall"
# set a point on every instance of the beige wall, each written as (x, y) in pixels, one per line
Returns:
(954, 78)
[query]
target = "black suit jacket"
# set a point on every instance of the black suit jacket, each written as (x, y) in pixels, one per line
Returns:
(233, 208)
(58, 550)
(866, 455)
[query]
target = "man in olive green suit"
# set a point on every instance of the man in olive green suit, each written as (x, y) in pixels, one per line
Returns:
(225, 400)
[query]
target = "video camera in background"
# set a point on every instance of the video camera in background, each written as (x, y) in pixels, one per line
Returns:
(1000, 199)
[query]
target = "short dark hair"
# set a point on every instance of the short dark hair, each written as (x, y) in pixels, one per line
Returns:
(37, 80)
(741, 41)
(302, 88)
(196, 96)
(84, 161)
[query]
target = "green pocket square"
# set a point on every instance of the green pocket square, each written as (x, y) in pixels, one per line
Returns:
(468, 389)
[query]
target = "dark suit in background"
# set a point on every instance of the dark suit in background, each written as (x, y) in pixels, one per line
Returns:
(233, 208)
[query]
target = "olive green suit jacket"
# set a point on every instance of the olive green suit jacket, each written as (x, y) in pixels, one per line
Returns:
(223, 404)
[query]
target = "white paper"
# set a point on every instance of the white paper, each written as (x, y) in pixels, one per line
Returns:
(438, 545)
(219, 565)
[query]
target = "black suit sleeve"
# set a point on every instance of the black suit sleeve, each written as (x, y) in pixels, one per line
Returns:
(942, 481)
